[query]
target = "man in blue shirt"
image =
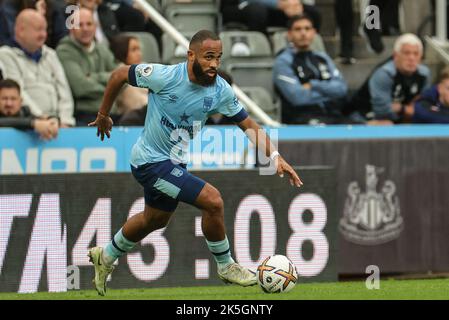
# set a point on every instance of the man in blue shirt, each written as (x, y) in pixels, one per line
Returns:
(258, 15)
(182, 98)
(310, 86)
(388, 94)
(433, 104)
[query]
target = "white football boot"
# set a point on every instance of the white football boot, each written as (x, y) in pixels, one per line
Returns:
(235, 273)
(101, 270)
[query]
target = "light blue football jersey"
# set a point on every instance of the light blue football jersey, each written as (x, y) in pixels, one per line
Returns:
(177, 110)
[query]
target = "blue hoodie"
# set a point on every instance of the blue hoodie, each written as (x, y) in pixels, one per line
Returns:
(429, 109)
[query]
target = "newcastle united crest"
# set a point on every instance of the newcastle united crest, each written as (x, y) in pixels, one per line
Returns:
(371, 217)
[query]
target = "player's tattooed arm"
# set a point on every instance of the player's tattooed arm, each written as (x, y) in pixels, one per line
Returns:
(259, 138)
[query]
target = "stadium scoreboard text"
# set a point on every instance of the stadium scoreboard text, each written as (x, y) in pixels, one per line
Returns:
(48, 222)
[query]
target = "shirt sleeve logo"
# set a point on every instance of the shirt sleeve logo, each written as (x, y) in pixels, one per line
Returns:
(236, 101)
(147, 70)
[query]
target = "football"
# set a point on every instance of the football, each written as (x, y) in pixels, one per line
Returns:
(277, 274)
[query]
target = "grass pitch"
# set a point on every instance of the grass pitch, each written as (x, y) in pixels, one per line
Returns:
(435, 289)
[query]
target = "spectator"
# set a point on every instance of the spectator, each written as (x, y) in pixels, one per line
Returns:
(104, 18)
(344, 17)
(132, 17)
(4, 29)
(134, 117)
(115, 16)
(37, 69)
(126, 50)
(387, 96)
(87, 64)
(389, 23)
(311, 88)
(9, 9)
(8, 13)
(257, 15)
(433, 105)
(13, 114)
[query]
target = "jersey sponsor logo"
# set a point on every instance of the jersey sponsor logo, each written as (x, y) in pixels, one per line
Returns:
(207, 104)
(371, 217)
(165, 122)
(177, 172)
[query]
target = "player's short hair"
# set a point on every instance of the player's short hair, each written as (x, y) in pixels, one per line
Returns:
(407, 38)
(444, 74)
(9, 84)
(298, 17)
(201, 36)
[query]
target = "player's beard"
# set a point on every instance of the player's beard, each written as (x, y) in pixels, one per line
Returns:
(202, 77)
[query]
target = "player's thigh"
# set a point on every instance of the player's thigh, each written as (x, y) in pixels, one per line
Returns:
(209, 199)
(160, 194)
(195, 191)
(191, 188)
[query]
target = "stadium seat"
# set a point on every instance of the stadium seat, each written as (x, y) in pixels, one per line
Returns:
(263, 99)
(172, 52)
(156, 4)
(150, 48)
(193, 16)
(248, 58)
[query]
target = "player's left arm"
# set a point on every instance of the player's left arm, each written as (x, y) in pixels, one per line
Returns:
(260, 139)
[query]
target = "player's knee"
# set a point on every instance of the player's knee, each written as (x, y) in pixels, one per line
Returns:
(216, 204)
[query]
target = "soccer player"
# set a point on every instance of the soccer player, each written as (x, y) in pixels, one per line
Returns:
(182, 96)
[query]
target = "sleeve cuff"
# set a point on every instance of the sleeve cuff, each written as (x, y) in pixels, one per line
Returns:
(132, 75)
(239, 117)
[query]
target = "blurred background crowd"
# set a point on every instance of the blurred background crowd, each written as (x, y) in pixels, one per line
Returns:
(302, 62)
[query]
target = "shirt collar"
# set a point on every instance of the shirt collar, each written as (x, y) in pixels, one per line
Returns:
(35, 56)
(90, 49)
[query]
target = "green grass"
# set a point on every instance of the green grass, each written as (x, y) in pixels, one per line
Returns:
(435, 289)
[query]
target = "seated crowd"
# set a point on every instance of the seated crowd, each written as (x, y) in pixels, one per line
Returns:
(52, 77)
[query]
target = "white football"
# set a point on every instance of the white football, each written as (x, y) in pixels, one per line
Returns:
(277, 274)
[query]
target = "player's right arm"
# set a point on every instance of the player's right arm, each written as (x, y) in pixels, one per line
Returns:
(103, 122)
